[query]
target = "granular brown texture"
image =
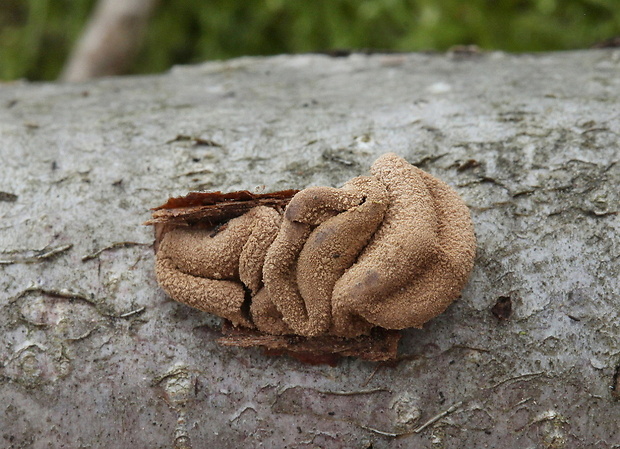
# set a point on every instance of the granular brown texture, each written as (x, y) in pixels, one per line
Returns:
(391, 250)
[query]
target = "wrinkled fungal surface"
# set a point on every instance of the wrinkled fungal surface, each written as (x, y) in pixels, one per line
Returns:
(390, 250)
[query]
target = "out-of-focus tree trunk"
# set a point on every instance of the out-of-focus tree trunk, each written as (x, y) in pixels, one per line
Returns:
(111, 39)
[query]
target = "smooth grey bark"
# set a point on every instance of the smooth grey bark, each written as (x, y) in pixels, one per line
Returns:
(93, 354)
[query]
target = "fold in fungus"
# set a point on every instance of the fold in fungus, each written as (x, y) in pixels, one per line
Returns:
(329, 265)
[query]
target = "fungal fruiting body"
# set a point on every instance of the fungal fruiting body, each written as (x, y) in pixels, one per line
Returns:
(390, 250)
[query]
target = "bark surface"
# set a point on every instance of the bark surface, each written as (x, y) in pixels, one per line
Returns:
(93, 354)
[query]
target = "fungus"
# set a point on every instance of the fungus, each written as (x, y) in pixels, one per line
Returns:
(341, 269)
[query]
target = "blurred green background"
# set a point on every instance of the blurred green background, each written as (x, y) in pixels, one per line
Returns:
(36, 36)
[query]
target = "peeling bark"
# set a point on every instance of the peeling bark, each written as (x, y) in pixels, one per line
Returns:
(92, 353)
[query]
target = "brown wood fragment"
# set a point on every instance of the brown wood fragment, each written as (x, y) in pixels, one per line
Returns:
(211, 209)
(216, 207)
(380, 346)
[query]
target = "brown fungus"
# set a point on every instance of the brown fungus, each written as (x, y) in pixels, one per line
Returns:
(321, 269)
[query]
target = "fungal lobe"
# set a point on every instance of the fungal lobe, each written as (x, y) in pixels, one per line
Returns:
(339, 269)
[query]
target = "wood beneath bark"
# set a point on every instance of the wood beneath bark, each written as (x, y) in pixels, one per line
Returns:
(380, 346)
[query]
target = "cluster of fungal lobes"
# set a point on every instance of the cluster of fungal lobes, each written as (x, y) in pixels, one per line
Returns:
(389, 250)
